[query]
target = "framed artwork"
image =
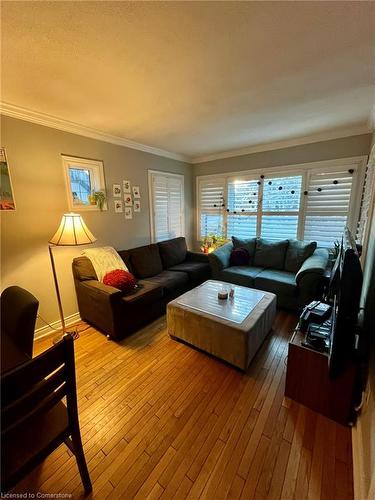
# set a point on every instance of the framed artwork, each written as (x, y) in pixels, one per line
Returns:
(128, 200)
(6, 192)
(128, 213)
(136, 192)
(126, 186)
(116, 190)
(137, 205)
(84, 179)
(118, 206)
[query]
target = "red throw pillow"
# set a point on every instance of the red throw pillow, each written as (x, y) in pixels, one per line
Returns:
(239, 257)
(121, 279)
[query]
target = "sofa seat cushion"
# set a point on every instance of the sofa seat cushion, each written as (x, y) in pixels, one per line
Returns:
(145, 261)
(270, 254)
(197, 271)
(145, 293)
(172, 252)
(240, 275)
(170, 280)
(278, 282)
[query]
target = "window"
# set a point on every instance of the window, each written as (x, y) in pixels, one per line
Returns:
(83, 178)
(166, 205)
(312, 202)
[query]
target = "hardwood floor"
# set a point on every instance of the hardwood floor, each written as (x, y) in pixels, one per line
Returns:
(162, 420)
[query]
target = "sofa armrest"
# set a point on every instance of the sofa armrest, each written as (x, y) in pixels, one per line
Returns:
(95, 287)
(315, 264)
(197, 257)
(219, 259)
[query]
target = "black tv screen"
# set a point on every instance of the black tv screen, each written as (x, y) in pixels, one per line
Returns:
(346, 290)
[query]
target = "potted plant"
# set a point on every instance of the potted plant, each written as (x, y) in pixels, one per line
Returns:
(211, 242)
(334, 253)
(100, 199)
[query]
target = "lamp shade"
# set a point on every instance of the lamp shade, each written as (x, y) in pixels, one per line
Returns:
(72, 231)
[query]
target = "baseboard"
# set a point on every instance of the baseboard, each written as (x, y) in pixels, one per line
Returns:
(359, 481)
(46, 331)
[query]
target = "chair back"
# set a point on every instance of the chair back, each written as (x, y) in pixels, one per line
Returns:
(37, 385)
(19, 309)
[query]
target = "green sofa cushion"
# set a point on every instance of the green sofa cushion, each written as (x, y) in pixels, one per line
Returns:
(270, 254)
(278, 282)
(296, 254)
(249, 244)
(240, 275)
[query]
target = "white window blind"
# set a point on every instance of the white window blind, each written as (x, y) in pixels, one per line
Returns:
(327, 206)
(243, 208)
(211, 206)
(280, 207)
(366, 201)
(167, 205)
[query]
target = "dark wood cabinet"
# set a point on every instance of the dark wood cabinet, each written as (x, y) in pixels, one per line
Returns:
(308, 382)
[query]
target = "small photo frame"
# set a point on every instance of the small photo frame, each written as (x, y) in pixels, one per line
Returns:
(116, 190)
(136, 192)
(6, 191)
(128, 200)
(118, 206)
(128, 213)
(126, 186)
(137, 205)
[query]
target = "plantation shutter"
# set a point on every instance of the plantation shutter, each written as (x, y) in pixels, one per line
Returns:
(366, 201)
(243, 206)
(280, 207)
(211, 209)
(167, 206)
(327, 206)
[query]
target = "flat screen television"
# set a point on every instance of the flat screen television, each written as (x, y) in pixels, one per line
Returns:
(345, 292)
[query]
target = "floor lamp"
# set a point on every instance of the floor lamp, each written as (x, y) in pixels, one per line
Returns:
(71, 232)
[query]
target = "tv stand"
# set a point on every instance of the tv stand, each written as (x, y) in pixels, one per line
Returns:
(308, 382)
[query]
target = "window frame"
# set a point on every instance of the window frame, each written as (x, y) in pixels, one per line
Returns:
(150, 174)
(358, 163)
(96, 169)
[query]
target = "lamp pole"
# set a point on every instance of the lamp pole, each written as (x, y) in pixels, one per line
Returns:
(57, 289)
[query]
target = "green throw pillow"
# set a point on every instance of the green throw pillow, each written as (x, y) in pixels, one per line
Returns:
(249, 244)
(298, 251)
(270, 254)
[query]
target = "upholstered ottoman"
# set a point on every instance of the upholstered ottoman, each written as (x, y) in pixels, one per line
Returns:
(232, 329)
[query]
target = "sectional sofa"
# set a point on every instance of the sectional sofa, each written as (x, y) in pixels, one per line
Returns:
(164, 271)
(291, 269)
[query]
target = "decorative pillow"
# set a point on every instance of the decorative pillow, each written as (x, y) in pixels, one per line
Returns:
(249, 244)
(123, 280)
(145, 261)
(172, 252)
(239, 257)
(298, 251)
(270, 254)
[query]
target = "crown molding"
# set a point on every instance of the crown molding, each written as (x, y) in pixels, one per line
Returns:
(326, 136)
(67, 126)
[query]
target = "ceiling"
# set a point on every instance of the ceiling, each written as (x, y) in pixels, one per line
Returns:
(193, 78)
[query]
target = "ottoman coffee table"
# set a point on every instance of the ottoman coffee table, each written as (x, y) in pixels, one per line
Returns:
(231, 329)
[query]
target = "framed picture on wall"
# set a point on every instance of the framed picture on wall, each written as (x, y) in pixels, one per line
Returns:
(126, 186)
(136, 192)
(128, 200)
(137, 205)
(116, 188)
(128, 213)
(6, 191)
(118, 206)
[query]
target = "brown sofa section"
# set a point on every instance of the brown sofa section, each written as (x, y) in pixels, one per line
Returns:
(164, 271)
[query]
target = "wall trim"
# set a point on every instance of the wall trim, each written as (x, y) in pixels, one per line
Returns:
(45, 331)
(270, 146)
(57, 123)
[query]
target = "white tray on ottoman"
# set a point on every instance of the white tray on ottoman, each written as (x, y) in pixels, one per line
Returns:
(231, 329)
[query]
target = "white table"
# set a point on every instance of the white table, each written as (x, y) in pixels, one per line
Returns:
(232, 329)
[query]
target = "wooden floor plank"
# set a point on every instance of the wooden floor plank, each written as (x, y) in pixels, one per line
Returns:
(162, 420)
